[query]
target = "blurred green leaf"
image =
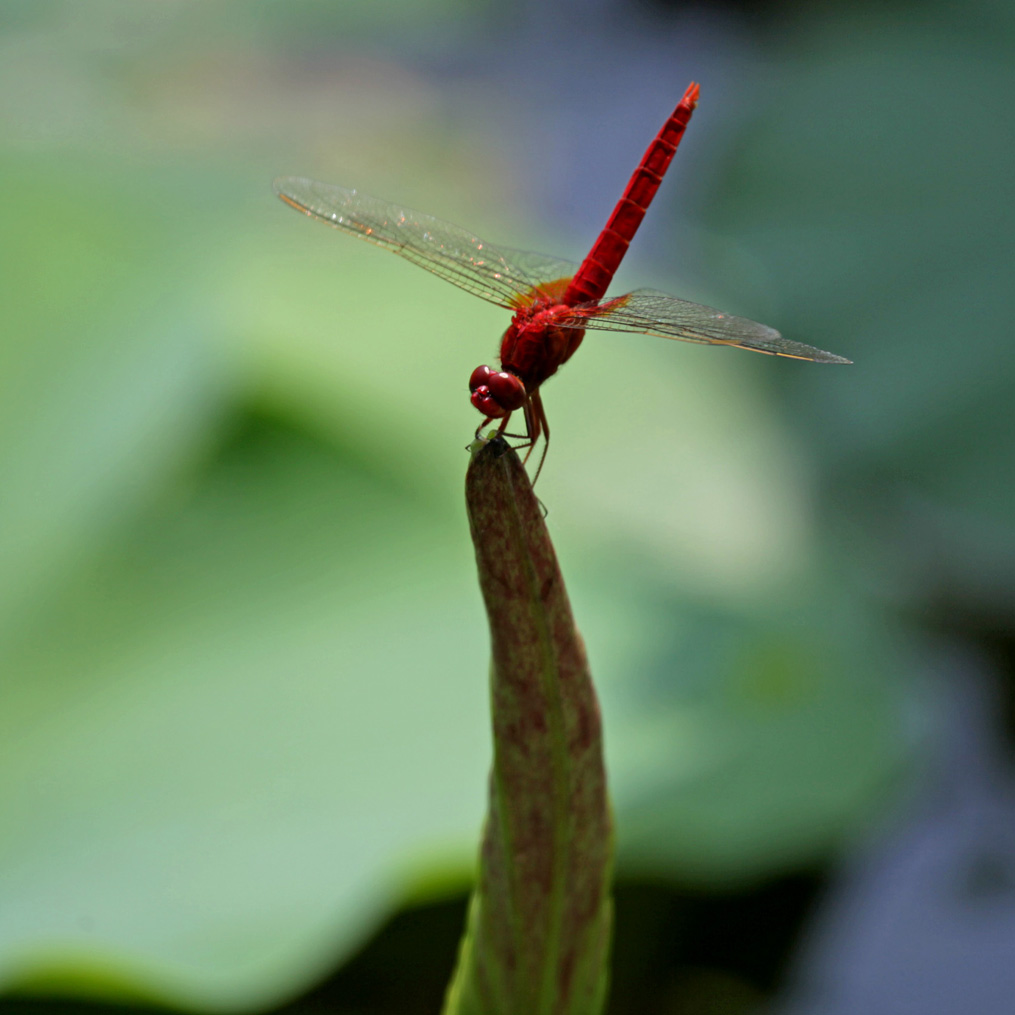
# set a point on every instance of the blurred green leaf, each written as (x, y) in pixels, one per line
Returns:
(750, 742)
(219, 763)
(106, 374)
(189, 811)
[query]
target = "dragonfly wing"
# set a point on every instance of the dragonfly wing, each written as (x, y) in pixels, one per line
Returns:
(654, 313)
(498, 274)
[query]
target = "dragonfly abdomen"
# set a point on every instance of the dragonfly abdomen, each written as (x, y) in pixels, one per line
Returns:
(597, 270)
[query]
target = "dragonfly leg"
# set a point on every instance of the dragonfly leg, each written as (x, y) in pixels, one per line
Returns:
(542, 425)
(536, 426)
(532, 425)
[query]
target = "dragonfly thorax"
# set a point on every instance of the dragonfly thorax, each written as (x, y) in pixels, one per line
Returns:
(537, 343)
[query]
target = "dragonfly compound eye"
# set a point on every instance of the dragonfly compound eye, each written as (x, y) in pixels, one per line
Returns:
(496, 392)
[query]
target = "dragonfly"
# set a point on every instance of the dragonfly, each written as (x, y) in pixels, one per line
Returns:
(553, 301)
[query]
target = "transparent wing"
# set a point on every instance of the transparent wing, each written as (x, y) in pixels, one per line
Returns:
(499, 274)
(654, 313)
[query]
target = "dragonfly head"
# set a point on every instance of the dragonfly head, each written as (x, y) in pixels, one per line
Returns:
(496, 393)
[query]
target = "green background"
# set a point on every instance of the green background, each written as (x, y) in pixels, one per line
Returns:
(242, 654)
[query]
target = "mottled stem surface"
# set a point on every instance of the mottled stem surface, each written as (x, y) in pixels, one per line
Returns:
(537, 940)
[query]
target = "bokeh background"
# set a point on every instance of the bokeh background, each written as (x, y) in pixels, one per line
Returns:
(243, 728)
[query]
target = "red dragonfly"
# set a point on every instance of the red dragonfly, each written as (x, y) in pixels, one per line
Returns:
(554, 301)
